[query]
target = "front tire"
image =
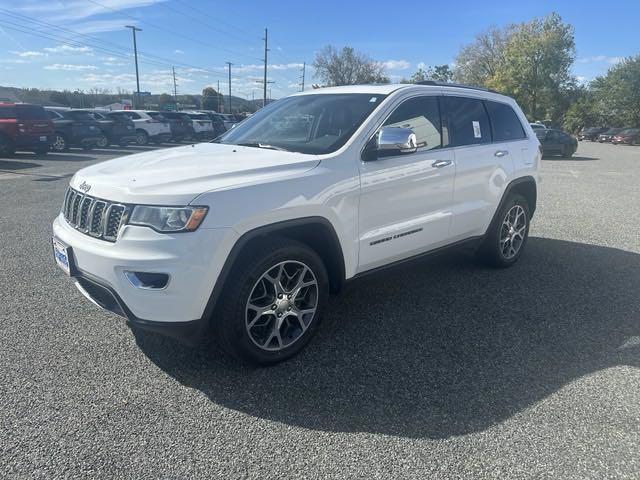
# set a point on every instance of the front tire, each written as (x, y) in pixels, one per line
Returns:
(142, 138)
(103, 142)
(59, 143)
(508, 233)
(272, 302)
(7, 148)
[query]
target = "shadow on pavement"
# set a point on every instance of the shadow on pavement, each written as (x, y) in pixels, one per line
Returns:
(441, 348)
(11, 165)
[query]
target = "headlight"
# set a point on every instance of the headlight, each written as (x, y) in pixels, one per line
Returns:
(168, 219)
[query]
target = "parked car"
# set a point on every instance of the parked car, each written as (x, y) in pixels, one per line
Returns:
(591, 133)
(217, 120)
(557, 142)
(24, 127)
(202, 125)
(538, 126)
(244, 238)
(117, 128)
(180, 124)
(73, 128)
(149, 125)
(630, 136)
(229, 120)
(607, 136)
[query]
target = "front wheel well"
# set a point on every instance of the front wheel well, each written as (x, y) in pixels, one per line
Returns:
(317, 234)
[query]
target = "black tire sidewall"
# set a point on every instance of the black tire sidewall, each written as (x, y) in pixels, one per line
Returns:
(229, 324)
(490, 250)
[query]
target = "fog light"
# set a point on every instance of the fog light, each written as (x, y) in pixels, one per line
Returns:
(147, 280)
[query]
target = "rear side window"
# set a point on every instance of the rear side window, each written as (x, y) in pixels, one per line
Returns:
(505, 122)
(468, 121)
(422, 115)
(132, 115)
(7, 113)
(31, 112)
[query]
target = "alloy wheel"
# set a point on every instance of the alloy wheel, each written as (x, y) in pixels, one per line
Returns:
(141, 138)
(103, 142)
(59, 144)
(282, 305)
(513, 231)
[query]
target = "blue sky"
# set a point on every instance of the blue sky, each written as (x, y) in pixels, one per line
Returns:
(83, 43)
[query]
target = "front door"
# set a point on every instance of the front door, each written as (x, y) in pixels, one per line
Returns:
(406, 198)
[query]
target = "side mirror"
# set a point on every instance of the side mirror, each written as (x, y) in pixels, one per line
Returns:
(391, 141)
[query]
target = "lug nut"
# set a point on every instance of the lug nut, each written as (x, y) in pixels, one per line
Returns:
(289, 308)
(280, 295)
(273, 307)
(289, 297)
(279, 315)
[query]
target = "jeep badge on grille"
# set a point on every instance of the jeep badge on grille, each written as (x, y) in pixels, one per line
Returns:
(85, 187)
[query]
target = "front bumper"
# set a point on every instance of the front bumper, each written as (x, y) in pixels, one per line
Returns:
(192, 260)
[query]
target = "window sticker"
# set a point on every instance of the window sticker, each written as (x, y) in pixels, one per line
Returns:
(373, 99)
(476, 129)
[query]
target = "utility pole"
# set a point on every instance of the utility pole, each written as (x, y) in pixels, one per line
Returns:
(304, 67)
(135, 29)
(175, 88)
(264, 84)
(229, 65)
(219, 95)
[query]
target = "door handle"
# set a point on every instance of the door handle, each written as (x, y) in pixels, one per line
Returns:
(441, 163)
(501, 153)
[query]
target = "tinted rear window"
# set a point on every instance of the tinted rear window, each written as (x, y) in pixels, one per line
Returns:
(24, 112)
(468, 121)
(505, 122)
(119, 117)
(81, 116)
(156, 116)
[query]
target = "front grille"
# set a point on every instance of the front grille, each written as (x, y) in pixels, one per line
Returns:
(93, 216)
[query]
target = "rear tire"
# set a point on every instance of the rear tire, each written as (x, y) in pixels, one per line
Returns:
(508, 233)
(272, 302)
(566, 152)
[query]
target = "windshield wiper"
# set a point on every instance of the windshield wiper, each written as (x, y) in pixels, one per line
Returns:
(262, 145)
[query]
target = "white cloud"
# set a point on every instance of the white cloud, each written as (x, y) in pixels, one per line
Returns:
(70, 68)
(422, 65)
(601, 59)
(178, 51)
(68, 49)
(396, 64)
(100, 26)
(81, 9)
(29, 53)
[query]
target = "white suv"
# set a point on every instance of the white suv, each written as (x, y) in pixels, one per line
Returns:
(150, 126)
(244, 239)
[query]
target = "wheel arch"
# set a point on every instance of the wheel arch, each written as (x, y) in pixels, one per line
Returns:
(316, 232)
(525, 186)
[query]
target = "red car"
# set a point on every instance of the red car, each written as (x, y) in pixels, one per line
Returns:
(630, 136)
(24, 127)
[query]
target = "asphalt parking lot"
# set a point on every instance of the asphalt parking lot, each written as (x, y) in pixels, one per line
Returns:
(444, 369)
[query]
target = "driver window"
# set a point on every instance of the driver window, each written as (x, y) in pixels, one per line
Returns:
(422, 115)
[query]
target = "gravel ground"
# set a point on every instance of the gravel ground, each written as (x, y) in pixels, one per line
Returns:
(443, 369)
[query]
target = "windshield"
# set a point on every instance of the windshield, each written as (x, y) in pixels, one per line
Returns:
(314, 124)
(630, 131)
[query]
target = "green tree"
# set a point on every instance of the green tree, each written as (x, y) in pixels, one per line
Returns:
(164, 100)
(535, 68)
(347, 67)
(440, 73)
(617, 94)
(478, 62)
(211, 100)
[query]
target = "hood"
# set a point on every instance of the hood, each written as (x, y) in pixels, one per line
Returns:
(175, 176)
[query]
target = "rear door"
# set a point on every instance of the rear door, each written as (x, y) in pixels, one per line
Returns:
(482, 166)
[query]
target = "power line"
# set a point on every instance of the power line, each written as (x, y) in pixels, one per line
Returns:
(163, 61)
(168, 30)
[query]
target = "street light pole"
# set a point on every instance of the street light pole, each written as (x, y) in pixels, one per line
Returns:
(135, 29)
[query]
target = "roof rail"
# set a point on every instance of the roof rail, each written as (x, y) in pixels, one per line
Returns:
(457, 85)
